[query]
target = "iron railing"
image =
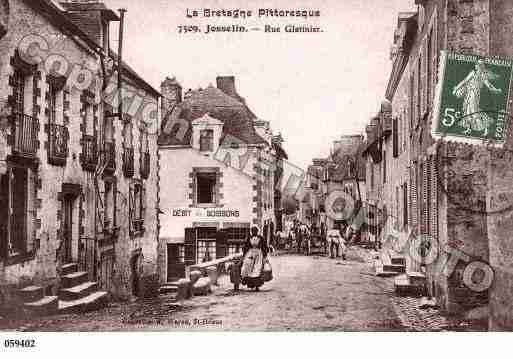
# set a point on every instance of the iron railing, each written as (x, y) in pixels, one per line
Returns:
(25, 131)
(89, 156)
(58, 150)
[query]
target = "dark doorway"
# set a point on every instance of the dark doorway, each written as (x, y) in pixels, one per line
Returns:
(134, 266)
(175, 262)
(67, 251)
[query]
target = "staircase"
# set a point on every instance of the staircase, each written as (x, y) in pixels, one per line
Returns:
(410, 284)
(389, 264)
(35, 303)
(77, 293)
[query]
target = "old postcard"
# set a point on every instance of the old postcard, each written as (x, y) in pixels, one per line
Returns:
(223, 166)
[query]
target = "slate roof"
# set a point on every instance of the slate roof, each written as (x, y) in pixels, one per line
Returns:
(235, 115)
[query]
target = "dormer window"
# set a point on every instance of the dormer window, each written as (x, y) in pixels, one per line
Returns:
(206, 140)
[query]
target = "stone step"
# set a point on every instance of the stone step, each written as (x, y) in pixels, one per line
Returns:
(45, 306)
(397, 268)
(404, 287)
(93, 301)
(79, 291)
(166, 289)
(398, 260)
(417, 278)
(73, 279)
(69, 268)
(380, 272)
(31, 293)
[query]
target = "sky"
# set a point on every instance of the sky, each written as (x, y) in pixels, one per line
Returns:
(312, 87)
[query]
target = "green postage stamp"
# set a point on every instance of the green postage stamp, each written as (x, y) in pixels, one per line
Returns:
(471, 103)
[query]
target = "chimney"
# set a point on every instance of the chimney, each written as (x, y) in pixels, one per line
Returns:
(227, 85)
(171, 94)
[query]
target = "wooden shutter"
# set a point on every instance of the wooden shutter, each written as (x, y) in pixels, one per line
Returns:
(405, 205)
(413, 197)
(143, 203)
(425, 198)
(4, 213)
(395, 137)
(190, 246)
(19, 181)
(131, 208)
(221, 244)
(434, 199)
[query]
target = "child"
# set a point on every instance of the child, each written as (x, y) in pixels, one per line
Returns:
(235, 276)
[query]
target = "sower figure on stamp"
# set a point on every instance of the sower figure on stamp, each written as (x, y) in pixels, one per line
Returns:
(470, 90)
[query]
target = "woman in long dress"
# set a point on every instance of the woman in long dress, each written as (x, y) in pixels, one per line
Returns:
(255, 251)
(470, 90)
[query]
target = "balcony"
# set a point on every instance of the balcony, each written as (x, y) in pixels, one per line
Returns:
(128, 162)
(145, 165)
(109, 158)
(25, 134)
(58, 150)
(89, 156)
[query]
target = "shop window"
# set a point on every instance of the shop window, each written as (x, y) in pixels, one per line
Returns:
(207, 140)
(206, 188)
(206, 239)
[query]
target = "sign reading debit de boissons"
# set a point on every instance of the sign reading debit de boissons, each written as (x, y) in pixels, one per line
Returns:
(471, 103)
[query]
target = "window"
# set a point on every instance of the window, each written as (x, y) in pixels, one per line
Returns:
(395, 137)
(206, 244)
(108, 128)
(206, 188)
(372, 175)
(207, 140)
(109, 207)
(137, 207)
(127, 133)
(17, 191)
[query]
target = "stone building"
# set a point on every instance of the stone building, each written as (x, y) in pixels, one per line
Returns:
(218, 169)
(410, 175)
(79, 188)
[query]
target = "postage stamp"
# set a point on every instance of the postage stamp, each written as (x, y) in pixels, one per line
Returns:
(471, 102)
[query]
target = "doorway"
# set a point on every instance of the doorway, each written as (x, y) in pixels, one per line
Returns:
(175, 262)
(67, 231)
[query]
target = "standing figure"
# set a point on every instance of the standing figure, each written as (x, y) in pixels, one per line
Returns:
(470, 89)
(255, 252)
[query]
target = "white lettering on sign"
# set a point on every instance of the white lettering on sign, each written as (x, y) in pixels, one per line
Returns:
(205, 213)
(181, 212)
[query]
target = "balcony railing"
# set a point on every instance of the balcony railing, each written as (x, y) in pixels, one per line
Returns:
(58, 150)
(128, 162)
(25, 131)
(145, 165)
(109, 157)
(89, 157)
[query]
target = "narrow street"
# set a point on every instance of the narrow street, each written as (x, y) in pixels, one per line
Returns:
(308, 293)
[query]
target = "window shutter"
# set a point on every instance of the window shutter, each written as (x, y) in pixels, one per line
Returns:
(395, 137)
(131, 208)
(405, 205)
(434, 199)
(4, 213)
(190, 246)
(143, 202)
(413, 197)
(114, 204)
(221, 244)
(31, 209)
(19, 209)
(425, 198)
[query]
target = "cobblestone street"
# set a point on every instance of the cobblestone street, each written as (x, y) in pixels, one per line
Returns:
(308, 293)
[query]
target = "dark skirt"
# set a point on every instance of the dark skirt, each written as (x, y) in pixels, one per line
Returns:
(253, 282)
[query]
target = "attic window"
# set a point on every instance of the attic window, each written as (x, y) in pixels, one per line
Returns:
(207, 140)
